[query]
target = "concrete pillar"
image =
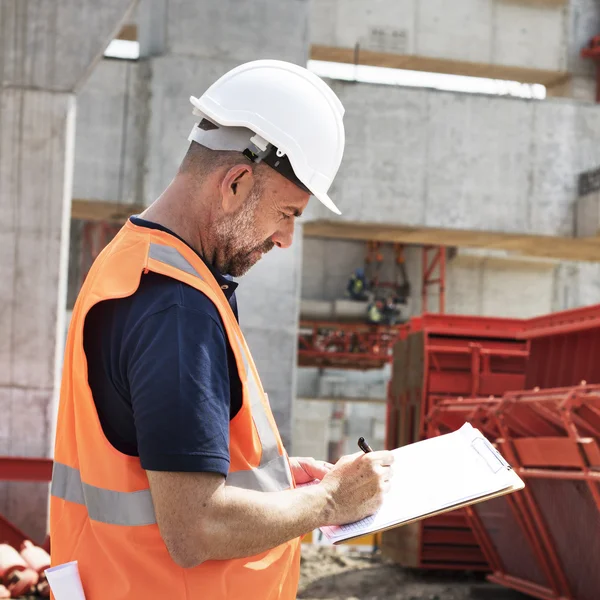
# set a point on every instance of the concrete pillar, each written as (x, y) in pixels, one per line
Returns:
(200, 41)
(46, 50)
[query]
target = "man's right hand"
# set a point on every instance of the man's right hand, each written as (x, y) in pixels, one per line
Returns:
(356, 485)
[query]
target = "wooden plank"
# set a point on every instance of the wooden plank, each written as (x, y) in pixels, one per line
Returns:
(100, 210)
(128, 32)
(548, 3)
(583, 249)
(437, 65)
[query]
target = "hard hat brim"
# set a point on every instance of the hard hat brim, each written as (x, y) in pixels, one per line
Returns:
(328, 202)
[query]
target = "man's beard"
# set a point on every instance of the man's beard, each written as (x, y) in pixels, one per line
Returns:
(237, 239)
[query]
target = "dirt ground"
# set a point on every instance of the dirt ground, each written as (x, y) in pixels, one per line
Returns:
(328, 574)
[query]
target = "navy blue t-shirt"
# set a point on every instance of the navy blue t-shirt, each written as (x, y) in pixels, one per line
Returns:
(163, 375)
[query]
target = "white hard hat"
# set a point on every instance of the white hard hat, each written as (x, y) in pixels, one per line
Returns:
(278, 113)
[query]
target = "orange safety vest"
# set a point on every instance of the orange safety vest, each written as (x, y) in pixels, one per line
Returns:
(101, 510)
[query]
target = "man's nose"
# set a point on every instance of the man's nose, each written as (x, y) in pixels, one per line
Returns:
(284, 236)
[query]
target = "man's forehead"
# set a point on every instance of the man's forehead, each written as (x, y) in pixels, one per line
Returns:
(288, 191)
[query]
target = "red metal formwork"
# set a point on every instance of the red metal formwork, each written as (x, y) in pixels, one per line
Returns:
(563, 348)
(544, 540)
(442, 356)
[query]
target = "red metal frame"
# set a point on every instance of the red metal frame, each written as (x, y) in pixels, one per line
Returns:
(564, 347)
(357, 346)
(467, 326)
(429, 266)
(462, 357)
(593, 51)
(548, 434)
(551, 434)
(16, 468)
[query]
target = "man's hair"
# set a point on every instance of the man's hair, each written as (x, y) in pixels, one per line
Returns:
(201, 161)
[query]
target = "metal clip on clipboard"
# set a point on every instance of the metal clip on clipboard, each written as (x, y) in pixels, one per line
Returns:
(490, 455)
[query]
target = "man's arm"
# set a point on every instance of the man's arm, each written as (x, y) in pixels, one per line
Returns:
(200, 518)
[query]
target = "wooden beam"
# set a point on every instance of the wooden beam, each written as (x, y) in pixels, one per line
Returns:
(437, 65)
(546, 3)
(585, 249)
(100, 210)
(128, 32)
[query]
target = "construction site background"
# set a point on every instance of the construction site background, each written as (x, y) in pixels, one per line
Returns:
(491, 186)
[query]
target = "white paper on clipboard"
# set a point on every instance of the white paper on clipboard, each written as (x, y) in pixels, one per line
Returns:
(434, 476)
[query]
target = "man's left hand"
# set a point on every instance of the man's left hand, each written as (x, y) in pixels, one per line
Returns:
(305, 470)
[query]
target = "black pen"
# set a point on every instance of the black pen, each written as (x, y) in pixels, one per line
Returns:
(362, 444)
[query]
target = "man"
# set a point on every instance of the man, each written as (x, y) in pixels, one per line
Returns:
(375, 312)
(391, 313)
(357, 285)
(170, 479)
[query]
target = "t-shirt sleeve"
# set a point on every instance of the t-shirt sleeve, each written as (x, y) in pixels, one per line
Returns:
(176, 367)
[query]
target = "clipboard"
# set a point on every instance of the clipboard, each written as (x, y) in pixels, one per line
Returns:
(445, 473)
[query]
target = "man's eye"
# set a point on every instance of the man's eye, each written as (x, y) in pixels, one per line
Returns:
(285, 216)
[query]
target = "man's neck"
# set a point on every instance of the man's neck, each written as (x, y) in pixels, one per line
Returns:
(177, 209)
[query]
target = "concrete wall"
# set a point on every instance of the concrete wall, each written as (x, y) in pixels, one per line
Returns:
(501, 287)
(311, 429)
(36, 137)
(112, 118)
(440, 159)
(327, 430)
(476, 283)
(40, 72)
(497, 32)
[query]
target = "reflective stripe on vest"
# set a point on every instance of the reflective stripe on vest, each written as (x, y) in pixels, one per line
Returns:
(136, 508)
(107, 506)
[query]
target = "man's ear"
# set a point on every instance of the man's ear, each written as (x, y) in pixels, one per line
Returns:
(236, 186)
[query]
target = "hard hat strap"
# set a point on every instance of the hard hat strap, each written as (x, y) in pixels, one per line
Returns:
(283, 166)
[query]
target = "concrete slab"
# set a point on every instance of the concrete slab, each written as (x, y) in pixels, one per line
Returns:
(462, 161)
(7, 301)
(382, 25)
(517, 37)
(316, 309)
(242, 31)
(477, 162)
(462, 33)
(477, 32)
(554, 172)
(382, 124)
(38, 39)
